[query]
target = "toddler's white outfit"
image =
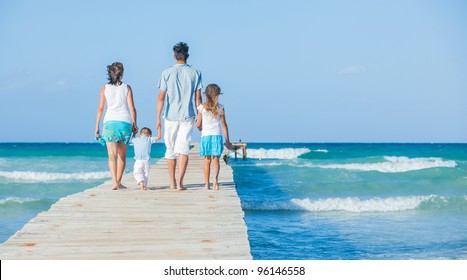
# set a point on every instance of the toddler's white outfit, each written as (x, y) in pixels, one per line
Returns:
(141, 168)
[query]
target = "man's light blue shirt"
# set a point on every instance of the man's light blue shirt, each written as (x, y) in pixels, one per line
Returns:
(180, 83)
(142, 147)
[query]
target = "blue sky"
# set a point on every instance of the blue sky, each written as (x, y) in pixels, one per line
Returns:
(291, 71)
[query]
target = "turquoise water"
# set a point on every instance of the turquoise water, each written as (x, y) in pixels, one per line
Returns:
(302, 201)
(355, 201)
(33, 176)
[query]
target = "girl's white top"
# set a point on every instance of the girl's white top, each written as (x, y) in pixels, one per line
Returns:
(211, 125)
(117, 104)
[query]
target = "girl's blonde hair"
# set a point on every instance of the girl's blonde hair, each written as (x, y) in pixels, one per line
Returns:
(212, 96)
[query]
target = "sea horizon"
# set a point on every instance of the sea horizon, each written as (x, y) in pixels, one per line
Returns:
(253, 142)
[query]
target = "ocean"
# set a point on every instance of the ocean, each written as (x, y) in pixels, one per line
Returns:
(355, 201)
(308, 201)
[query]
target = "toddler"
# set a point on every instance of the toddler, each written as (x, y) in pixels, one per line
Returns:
(142, 145)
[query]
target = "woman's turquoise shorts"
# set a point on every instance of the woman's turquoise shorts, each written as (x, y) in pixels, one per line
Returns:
(116, 131)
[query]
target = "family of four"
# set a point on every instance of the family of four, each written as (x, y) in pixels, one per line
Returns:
(180, 88)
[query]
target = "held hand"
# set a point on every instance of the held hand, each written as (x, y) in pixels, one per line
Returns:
(135, 128)
(199, 123)
(159, 134)
(228, 145)
(97, 134)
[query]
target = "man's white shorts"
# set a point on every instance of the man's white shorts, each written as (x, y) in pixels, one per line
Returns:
(141, 171)
(177, 137)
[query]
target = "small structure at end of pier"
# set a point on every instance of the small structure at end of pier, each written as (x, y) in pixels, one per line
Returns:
(236, 146)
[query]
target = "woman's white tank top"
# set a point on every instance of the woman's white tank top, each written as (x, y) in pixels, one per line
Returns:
(117, 104)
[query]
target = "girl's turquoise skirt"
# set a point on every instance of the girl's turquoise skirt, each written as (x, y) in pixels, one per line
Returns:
(116, 131)
(211, 145)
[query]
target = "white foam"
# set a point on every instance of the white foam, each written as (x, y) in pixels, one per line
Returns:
(321, 151)
(30, 176)
(269, 164)
(348, 204)
(285, 153)
(393, 165)
(357, 205)
(271, 206)
(16, 199)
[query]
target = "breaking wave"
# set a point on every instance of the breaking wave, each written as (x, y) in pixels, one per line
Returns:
(389, 165)
(358, 205)
(393, 165)
(285, 153)
(16, 200)
(30, 176)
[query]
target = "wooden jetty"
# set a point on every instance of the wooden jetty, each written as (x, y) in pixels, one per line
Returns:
(156, 224)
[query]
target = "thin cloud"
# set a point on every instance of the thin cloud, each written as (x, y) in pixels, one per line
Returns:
(58, 85)
(354, 69)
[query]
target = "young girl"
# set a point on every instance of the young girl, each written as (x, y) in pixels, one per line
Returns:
(211, 115)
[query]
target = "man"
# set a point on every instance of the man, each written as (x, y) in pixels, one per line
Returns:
(179, 85)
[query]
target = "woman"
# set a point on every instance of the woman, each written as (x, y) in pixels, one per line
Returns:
(119, 121)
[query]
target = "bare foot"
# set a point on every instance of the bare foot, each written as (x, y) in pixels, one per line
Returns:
(207, 187)
(216, 186)
(114, 188)
(122, 187)
(173, 187)
(141, 185)
(181, 188)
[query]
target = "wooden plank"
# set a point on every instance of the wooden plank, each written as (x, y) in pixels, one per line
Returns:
(159, 223)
